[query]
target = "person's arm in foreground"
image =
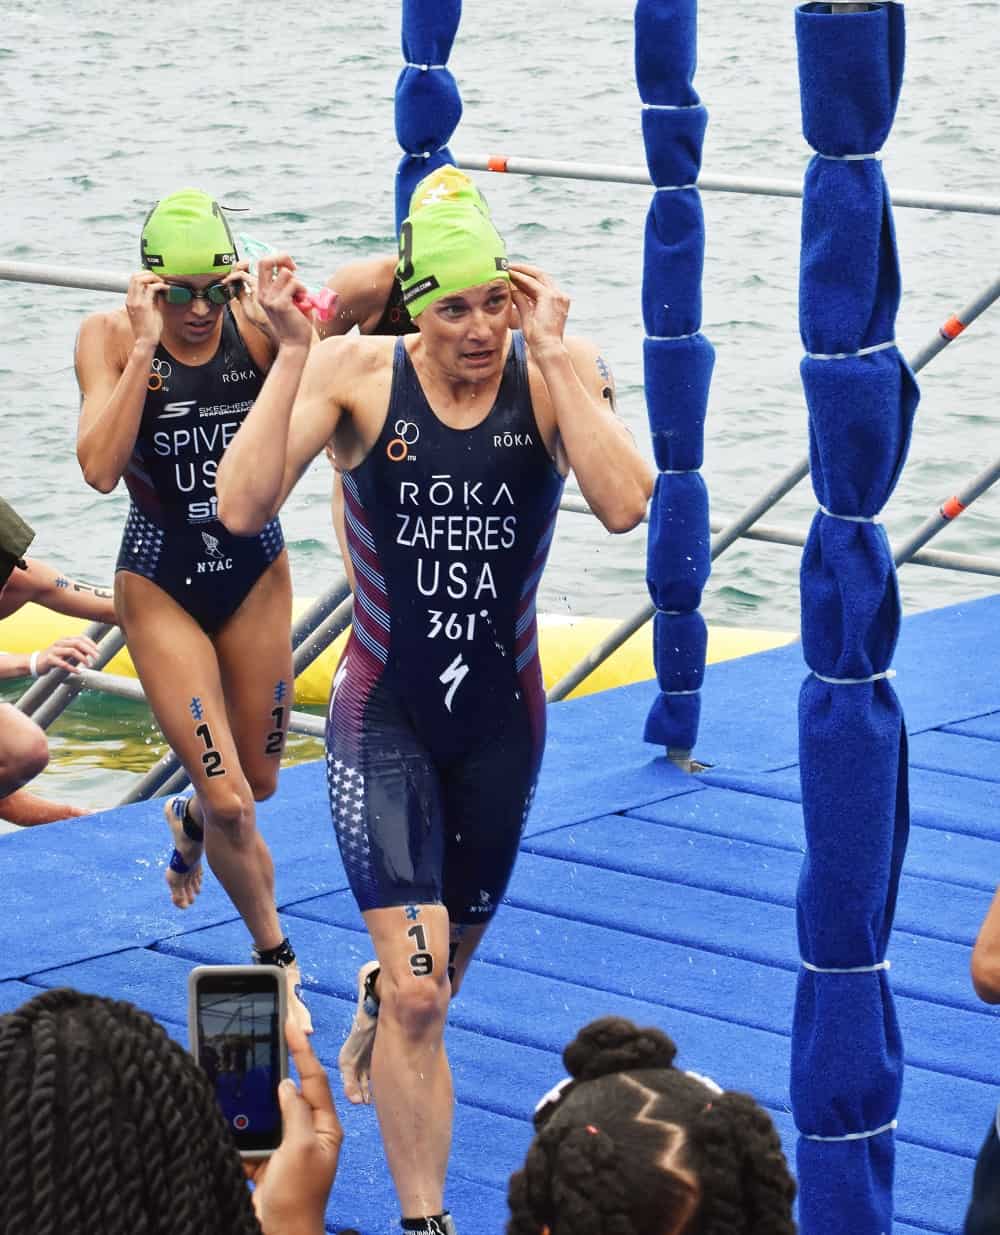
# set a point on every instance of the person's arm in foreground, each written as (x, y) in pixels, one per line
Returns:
(272, 449)
(986, 955)
(72, 652)
(613, 476)
(291, 1188)
(42, 584)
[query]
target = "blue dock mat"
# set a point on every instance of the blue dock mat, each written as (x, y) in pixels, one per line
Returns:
(639, 890)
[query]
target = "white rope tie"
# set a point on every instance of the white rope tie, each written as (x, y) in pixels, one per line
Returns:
(679, 471)
(875, 677)
(674, 188)
(680, 692)
(671, 338)
(849, 158)
(670, 612)
(672, 106)
(855, 969)
(424, 68)
(865, 351)
(426, 154)
(849, 518)
(854, 1136)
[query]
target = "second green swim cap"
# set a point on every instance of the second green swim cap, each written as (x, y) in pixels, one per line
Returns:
(187, 233)
(448, 243)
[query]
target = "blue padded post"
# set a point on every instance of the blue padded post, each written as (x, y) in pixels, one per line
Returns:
(428, 106)
(847, 1058)
(678, 362)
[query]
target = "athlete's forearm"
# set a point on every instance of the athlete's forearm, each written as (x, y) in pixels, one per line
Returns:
(14, 665)
(252, 472)
(613, 476)
(44, 585)
(107, 435)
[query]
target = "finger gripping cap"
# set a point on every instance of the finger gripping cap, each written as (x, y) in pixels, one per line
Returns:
(187, 234)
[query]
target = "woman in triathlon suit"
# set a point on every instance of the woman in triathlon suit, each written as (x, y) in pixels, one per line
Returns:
(165, 384)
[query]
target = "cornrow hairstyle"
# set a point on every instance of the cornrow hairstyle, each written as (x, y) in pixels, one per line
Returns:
(632, 1146)
(110, 1128)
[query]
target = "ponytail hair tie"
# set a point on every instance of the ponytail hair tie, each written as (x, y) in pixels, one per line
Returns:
(591, 1129)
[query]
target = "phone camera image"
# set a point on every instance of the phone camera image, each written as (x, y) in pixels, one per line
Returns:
(238, 1038)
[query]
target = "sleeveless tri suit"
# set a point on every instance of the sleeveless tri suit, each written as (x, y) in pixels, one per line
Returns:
(172, 534)
(437, 714)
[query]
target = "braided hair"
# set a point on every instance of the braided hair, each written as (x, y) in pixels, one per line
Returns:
(110, 1128)
(630, 1145)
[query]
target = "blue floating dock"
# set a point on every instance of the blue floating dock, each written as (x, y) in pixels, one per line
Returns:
(640, 890)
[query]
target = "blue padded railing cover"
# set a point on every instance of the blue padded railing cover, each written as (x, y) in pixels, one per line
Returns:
(678, 362)
(428, 106)
(847, 1058)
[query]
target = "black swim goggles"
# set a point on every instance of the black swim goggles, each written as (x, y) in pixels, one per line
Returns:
(215, 293)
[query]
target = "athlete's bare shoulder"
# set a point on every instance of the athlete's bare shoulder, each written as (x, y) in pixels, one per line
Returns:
(106, 337)
(353, 356)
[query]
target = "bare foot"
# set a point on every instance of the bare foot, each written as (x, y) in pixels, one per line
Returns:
(297, 1009)
(355, 1058)
(184, 884)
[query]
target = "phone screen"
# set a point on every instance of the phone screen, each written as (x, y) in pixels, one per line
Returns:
(239, 1047)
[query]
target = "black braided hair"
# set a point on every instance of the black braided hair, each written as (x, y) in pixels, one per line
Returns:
(631, 1146)
(110, 1128)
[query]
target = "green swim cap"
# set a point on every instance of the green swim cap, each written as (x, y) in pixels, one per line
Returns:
(187, 233)
(448, 243)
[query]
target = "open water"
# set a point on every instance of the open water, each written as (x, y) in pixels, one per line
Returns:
(287, 113)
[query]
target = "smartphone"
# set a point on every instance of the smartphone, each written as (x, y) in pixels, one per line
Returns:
(236, 1031)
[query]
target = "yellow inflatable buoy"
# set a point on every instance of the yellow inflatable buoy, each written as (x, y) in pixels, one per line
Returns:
(563, 641)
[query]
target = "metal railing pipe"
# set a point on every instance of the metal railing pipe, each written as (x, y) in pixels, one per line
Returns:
(915, 199)
(63, 276)
(319, 610)
(947, 513)
(947, 333)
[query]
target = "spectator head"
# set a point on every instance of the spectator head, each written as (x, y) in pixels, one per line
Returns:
(631, 1145)
(110, 1128)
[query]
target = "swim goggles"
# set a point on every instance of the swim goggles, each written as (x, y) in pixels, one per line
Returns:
(215, 293)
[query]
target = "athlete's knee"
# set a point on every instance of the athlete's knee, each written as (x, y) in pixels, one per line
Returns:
(229, 810)
(418, 1004)
(24, 750)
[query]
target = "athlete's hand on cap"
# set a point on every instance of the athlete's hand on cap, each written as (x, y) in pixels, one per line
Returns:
(542, 306)
(246, 285)
(70, 653)
(277, 290)
(292, 1186)
(142, 304)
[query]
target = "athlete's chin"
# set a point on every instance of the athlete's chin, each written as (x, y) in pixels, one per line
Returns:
(197, 332)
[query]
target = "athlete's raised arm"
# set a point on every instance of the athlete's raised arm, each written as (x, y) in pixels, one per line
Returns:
(362, 289)
(613, 476)
(113, 373)
(273, 448)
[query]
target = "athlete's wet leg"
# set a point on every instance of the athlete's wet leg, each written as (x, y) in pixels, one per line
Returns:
(255, 662)
(411, 1079)
(177, 664)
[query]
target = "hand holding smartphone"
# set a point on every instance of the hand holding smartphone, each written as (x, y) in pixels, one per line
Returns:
(236, 1029)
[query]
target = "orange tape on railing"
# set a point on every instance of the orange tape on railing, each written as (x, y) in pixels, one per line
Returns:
(952, 508)
(952, 328)
(497, 162)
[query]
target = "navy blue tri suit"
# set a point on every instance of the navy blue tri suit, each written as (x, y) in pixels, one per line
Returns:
(437, 715)
(172, 535)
